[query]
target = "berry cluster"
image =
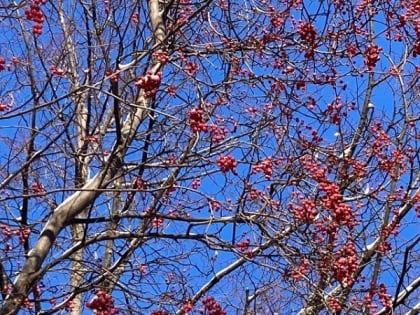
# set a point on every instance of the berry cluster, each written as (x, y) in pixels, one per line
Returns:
(157, 222)
(346, 264)
(187, 307)
(333, 200)
(308, 34)
(277, 19)
(135, 18)
(69, 305)
(372, 56)
(300, 270)
(211, 307)
(92, 139)
(149, 83)
(139, 183)
(191, 68)
(334, 111)
(38, 188)
(161, 56)
(358, 168)
(305, 212)
(143, 269)
(4, 107)
(102, 304)
(384, 297)
(27, 304)
(2, 63)
(171, 90)
(23, 232)
(218, 133)
(253, 194)
(382, 140)
(265, 166)
(113, 76)
(57, 71)
(244, 245)
(227, 163)
(197, 122)
(196, 183)
(334, 304)
(35, 14)
(159, 312)
(215, 205)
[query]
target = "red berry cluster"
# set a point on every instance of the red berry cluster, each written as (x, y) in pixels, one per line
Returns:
(227, 163)
(211, 307)
(161, 56)
(346, 264)
(385, 245)
(113, 76)
(372, 56)
(2, 63)
(215, 205)
(57, 71)
(334, 111)
(300, 270)
(382, 140)
(316, 171)
(103, 304)
(38, 188)
(191, 68)
(218, 133)
(187, 307)
(135, 18)
(334, 304)
(27, 304)
(149, 83)
(196, 183)
(92, 139)
(171, 90)
(244, 245)
(197, 122)
(384, 297)
(157, 222)
(358, 168)
(23, 233)
(4, 107)
(253, 194)
(265, 166)
(305, 212)
(69, 305)
(7, 231)
(139, 184)
(159, 312)
(307, 32)
(333, 200)
(35, 14)
(143, 269)
(277, 19)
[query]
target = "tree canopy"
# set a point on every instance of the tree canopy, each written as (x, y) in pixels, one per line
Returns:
(209, 157)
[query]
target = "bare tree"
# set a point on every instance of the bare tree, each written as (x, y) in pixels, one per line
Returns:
(209, 157)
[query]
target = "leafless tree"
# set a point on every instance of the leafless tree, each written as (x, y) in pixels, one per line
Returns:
(209, 157)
